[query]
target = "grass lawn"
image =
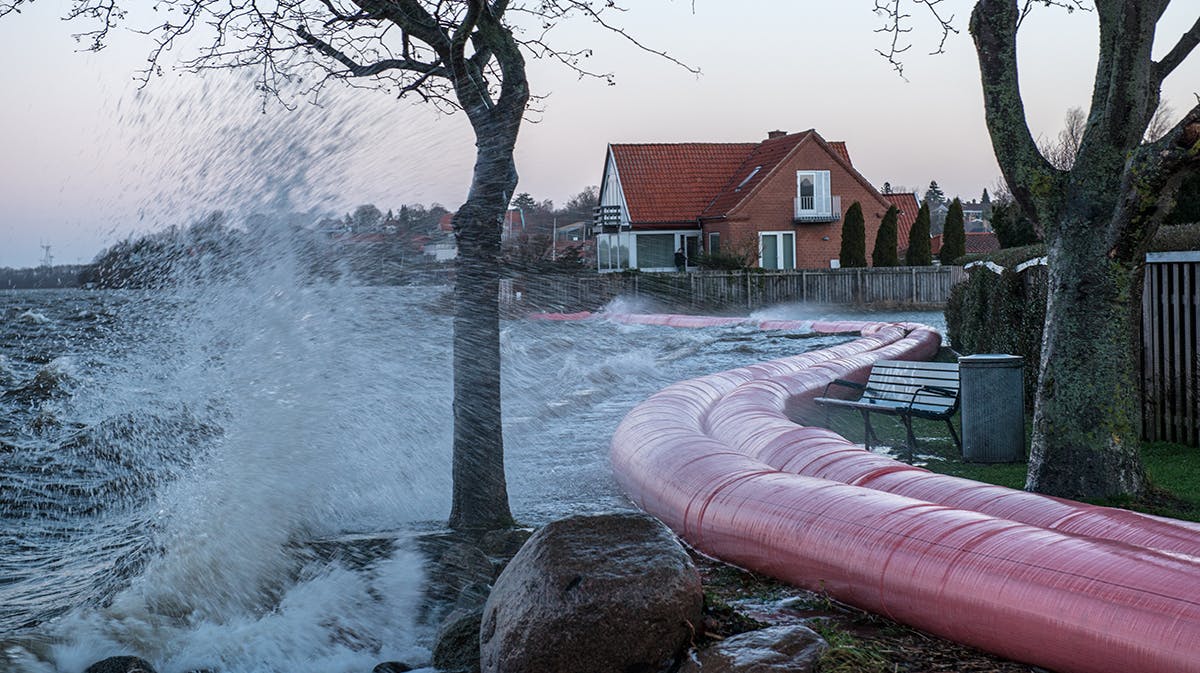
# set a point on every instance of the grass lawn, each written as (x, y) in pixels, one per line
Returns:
(1174, 469)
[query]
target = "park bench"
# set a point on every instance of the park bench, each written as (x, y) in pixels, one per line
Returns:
(904, 389)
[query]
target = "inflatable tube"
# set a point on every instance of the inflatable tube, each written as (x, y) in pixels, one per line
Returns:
(1069, 586)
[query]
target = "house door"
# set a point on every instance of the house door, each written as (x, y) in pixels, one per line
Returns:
(777, 250)
(691, 248)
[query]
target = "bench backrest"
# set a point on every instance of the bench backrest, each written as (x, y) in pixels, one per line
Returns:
(893, 382)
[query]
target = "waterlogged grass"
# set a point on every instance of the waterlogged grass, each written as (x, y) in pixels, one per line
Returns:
(1173, 469)
(848, 653)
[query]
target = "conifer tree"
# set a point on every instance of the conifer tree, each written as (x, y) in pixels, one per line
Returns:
(954, 238)
(884, 253)
(934, 196)
(918, 240)
(854, 238)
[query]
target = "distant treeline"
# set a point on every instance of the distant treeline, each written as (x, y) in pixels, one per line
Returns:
(41, 278)
(213, 250)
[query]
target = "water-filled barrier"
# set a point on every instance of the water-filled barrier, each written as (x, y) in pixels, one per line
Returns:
(1064, 585)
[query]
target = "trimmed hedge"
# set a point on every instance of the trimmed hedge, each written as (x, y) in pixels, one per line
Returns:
(885, 253)
(1005, 313)
(854, 238)
(1001, 313)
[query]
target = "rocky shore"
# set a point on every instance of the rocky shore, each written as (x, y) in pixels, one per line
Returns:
(618, 592)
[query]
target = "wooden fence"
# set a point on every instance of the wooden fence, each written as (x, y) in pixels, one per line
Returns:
(1170, 356)
(717, 290)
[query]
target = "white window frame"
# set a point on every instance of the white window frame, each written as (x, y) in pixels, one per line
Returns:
(822, 192)
(680, 234)
(779, 248)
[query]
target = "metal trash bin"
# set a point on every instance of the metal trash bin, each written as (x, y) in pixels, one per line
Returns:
(993, 408)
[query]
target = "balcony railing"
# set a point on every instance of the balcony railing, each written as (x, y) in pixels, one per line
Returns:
(606, 219)
(808, 211)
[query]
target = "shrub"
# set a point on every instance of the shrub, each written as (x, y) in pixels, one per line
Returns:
(884, 253)
(1012, 228)
(954, 237)
(918, 253)
(721, 261)
(854, 238)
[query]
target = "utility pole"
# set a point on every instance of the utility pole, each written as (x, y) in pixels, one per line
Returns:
(47, 258)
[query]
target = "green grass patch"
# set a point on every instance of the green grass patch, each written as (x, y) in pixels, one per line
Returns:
(848, 653)
(1173, 469)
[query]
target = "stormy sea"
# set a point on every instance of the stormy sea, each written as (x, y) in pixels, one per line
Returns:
(189, 474)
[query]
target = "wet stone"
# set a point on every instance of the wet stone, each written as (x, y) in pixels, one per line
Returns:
(457, 646)
(777, 649)
(123, 664)
(392, 667)
(593, 594)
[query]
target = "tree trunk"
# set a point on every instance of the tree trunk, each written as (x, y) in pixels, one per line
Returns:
(1087, 420)
(480, 493)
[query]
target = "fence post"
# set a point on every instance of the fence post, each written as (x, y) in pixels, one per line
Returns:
(914, 285)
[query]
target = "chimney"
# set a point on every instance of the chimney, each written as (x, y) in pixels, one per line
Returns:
(771, 135)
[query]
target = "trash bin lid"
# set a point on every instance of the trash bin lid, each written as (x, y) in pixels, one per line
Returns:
(990, 360)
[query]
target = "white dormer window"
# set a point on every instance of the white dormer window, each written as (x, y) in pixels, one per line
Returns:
(814, 203)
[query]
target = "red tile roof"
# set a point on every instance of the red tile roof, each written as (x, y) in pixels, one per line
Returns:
(907, 203)
(839, 147)
(983, 241)
(757, 165)
(673, 183)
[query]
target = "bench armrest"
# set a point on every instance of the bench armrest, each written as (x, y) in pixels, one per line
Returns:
(842, 382)
(948, 393)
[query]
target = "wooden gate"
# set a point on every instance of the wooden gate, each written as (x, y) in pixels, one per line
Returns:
(1170, 358)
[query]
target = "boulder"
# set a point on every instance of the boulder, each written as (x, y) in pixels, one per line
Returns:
(457, 645)
(124, 664)
(593, 594)
(776, 649)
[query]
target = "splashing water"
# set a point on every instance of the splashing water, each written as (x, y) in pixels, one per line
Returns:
(228, 473)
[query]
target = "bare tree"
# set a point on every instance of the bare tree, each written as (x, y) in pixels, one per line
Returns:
(458, 55)
(1062, 152)
(1160, 123)
(1098, 216)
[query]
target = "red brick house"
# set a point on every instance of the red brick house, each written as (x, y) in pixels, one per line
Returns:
(780, 201)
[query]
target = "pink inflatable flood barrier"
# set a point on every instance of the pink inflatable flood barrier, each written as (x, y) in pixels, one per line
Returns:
(1064, 585)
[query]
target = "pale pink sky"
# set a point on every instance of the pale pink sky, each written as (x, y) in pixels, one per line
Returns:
(85, 158)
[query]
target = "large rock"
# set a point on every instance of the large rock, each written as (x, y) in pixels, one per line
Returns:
(777, 649)
(598, 594)
(120, 665)
(457, 645)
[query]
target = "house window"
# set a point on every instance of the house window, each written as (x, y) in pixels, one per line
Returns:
(806, 192)
(714, 242)
(813, 194)
(656, 251)
(612, 254)
(777, 250)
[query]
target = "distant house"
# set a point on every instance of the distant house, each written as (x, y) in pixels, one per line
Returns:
(446, 247)
(974, 217)
(779, 202)
(981, 242)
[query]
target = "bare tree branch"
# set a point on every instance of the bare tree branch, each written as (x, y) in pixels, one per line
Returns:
(994, 28)
(1181, 50)
(358, 70)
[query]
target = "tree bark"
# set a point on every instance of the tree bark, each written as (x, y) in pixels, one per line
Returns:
(480, 494)
(1087, 415)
